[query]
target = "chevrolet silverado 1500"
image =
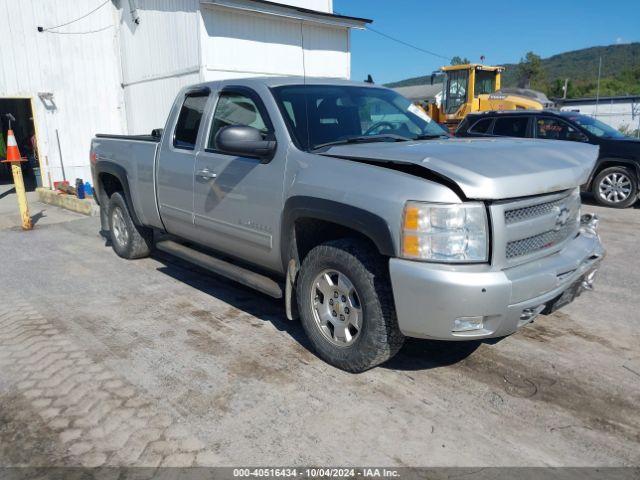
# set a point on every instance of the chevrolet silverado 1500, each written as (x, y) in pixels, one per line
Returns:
(355, 208)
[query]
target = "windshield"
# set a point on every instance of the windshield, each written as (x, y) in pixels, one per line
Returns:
(485, 82)
(319, 115)
(596, 127)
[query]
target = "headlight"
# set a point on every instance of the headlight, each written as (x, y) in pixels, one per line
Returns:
(456, 233)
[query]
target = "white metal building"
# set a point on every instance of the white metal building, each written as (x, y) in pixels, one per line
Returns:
(116, 65)
(619, 112)
(423, 93)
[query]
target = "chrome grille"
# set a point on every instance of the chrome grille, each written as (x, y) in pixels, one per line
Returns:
(525, 246)
(525, 213)
(531, 227)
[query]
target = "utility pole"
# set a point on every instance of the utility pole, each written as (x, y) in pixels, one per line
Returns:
(564, 89)
(598, 87)
(636, 110)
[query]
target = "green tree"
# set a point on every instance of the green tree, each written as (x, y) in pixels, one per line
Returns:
(554, 89)
(530, 71)
(460, 60)
(629, 131)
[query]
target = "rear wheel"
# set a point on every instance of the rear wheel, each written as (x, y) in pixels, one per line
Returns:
(346, 305)
(127, 239)
(615, 187)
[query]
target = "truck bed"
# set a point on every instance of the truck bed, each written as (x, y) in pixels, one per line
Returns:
(135, 155)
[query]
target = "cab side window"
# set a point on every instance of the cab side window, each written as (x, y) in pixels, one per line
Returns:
(189, 121)
(555, 129)
(235, 109)
(511, 127)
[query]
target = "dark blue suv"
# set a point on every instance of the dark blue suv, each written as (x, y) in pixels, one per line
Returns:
(614, 180)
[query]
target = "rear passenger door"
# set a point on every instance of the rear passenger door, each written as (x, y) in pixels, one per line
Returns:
(176, 163)
(512, 126)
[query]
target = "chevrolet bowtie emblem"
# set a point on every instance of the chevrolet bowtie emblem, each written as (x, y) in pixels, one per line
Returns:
(562, 218)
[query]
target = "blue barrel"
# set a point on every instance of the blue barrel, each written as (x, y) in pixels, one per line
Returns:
(79, 188)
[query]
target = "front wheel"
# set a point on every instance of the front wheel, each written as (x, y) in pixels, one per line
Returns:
(346, 305)
(127, 239)
(615, 187)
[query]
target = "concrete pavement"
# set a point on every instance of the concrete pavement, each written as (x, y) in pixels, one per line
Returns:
(40, 213)
(111, 362)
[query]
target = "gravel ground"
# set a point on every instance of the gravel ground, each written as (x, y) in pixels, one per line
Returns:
(153, 362)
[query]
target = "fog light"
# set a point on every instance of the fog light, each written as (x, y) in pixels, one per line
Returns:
(464, 324)
(587, 282)
(589, 223)
(529, 314)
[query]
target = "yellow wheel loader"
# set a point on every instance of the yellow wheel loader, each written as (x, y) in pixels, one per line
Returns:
(476, 88)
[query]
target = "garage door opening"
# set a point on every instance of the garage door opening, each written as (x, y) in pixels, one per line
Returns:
(25, 132)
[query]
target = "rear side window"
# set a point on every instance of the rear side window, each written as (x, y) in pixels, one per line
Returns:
(511, 127)
(481, 126)
(189, 120)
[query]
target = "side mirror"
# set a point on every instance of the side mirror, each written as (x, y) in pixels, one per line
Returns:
(576, 137)
(244, 141)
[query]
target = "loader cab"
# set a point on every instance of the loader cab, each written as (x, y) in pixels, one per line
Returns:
(456, 90)
(464, 84)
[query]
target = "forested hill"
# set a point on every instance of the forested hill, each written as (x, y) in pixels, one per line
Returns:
(620, 72)
(583, 64)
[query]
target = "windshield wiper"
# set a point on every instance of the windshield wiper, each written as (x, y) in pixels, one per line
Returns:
(429, 136)
(363, 139)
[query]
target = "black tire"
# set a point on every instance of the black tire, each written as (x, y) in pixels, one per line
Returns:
(127, 239)
(600, 182)
(379, 338)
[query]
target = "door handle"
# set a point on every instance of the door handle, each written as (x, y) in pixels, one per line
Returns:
(206, 173)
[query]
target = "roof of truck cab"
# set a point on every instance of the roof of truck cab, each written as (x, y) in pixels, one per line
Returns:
(283, 81)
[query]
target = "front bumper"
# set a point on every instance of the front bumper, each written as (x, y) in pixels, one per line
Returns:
(430, 297)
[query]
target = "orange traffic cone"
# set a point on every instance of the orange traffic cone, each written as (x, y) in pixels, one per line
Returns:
(13, 153)
(13, 157)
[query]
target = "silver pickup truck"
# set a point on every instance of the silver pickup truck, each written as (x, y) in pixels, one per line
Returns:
(349, 203)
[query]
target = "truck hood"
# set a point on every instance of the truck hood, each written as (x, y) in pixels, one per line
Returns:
(486, 169)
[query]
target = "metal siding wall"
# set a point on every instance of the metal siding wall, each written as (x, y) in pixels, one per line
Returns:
(241, 44)
(326, 51)
(80, 70)
(238, 44)
(84, 71)
(616, 114)
(320, 5)
(165, 41)
(149, 103)
(159, 56)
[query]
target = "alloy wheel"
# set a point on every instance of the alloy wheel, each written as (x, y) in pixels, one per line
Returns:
(119, 225)
(336, 308)
(615, 187)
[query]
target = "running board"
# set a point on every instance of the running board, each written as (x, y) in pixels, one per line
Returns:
(233, 272)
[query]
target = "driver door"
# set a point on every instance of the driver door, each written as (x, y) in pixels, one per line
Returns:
(555, 129)
(238, 200)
